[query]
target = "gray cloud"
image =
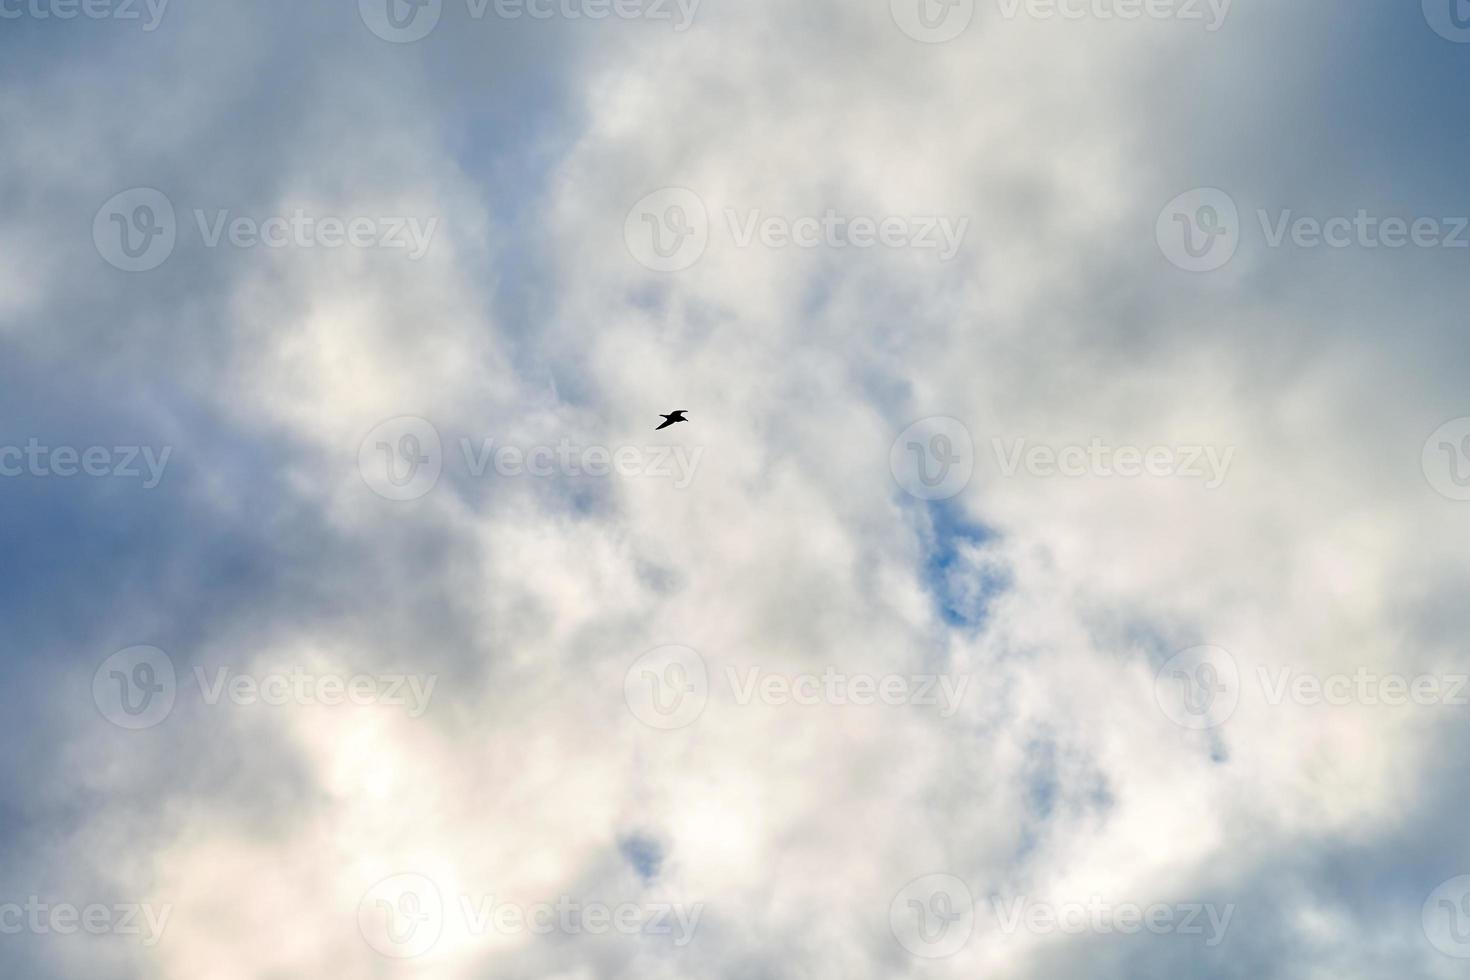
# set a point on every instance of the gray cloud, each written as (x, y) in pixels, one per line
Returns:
(793, 549)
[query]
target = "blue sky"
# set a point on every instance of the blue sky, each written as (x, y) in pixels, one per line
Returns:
(441, 621)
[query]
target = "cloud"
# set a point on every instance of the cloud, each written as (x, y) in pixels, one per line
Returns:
(284, 837)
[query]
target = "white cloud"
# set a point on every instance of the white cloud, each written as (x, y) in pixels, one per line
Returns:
(1323, 548)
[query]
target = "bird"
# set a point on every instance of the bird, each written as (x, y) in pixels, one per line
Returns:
(672, 417)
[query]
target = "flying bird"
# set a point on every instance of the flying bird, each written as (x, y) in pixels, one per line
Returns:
(672, 417)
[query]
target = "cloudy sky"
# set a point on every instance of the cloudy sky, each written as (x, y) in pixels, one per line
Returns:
(1061, 573)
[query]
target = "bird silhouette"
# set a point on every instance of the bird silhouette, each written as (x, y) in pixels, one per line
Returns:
(672, 417)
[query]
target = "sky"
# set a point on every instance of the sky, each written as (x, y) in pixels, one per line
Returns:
(1060, 572)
